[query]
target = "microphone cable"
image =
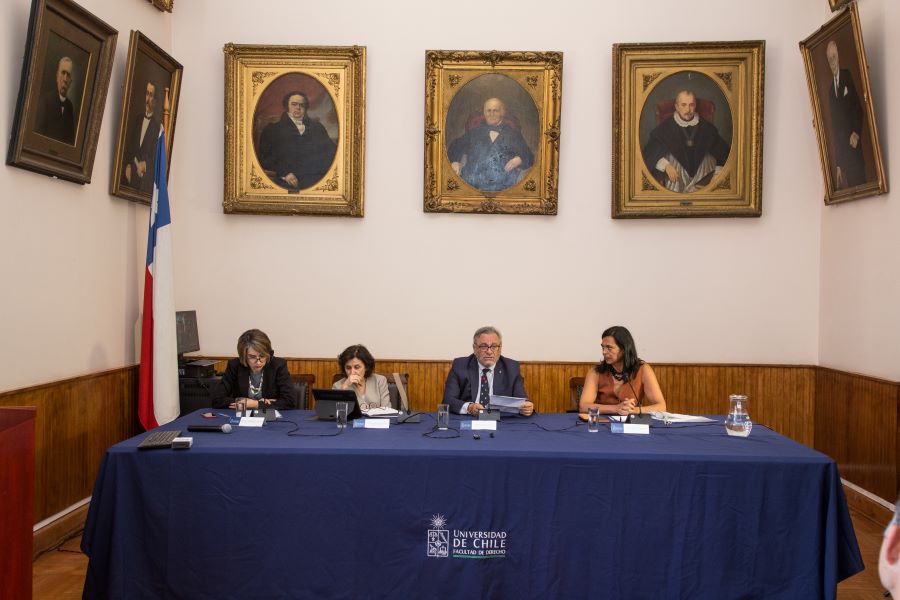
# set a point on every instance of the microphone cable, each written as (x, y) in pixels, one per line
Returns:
(430, 434)
(295, 432)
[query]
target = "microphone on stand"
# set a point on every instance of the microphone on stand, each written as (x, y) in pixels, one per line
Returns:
(226, 428)
(640, 418)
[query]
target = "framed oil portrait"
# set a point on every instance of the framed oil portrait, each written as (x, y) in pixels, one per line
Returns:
(843, 113)
(294, 129)
(149, 103)
(163, 5)
(492, 123)
(687, 129)
(65, 77)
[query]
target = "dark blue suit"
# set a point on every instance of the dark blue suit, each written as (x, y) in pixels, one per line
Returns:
(463, 381)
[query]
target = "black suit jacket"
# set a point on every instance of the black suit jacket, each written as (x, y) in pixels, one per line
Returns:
(277, 383)
(135, 150)
(56, 119)
(463, 381)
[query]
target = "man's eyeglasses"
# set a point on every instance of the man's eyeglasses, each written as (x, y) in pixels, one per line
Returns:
(486, 347)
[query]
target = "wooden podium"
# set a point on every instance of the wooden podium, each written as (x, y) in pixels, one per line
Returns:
(17, 500)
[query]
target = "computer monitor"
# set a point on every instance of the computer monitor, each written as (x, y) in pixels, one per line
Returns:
(186, 332)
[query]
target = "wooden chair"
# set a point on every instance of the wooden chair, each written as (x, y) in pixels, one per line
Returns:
(303, 383)
(392, 386)
(576, 386)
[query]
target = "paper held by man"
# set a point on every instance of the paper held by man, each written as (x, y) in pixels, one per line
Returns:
(507, 404)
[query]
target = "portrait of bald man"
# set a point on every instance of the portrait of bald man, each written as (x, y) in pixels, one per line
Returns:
(492, 155)
(56, 113)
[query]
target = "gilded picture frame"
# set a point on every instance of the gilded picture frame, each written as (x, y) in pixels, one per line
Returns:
(163, 5)
(149, 100)
(62, 93)
(836, 4)
(843, 110)
(294, 130)
(492, 131)
(708, 164)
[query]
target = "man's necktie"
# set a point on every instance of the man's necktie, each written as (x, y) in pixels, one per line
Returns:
(485, 396)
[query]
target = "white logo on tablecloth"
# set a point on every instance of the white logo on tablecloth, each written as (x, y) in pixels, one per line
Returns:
(464, 544)
(438, 538)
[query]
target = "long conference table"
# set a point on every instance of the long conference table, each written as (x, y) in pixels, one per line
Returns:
(543, 509)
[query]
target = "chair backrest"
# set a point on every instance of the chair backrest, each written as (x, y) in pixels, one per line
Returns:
(303, 383)
(576, 386)
(705, 108)
(394, 392)
(392, 386)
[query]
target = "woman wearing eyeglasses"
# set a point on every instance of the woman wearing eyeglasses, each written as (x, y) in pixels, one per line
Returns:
(256, 376)
(622, 383)
(358, 366)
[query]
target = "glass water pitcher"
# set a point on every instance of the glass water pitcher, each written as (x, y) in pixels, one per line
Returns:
(738, 420)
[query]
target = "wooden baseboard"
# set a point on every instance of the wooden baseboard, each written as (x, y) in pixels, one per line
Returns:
(56, 532)
(867, 505)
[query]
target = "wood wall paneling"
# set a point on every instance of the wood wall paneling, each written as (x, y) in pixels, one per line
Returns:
(856, 423)
(77, 420)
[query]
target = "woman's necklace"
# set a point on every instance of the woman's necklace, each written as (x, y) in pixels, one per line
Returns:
(255, 389)
(618, 376)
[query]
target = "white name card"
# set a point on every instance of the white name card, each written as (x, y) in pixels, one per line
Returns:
(629, 428)
(252, 421)
(485, 425)
(376, 423)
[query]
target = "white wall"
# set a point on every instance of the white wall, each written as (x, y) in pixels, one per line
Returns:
(860, 287)
(692, 290)
(70, 255)
(556, 281)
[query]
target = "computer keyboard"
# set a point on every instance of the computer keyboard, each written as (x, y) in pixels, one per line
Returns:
(159, 439)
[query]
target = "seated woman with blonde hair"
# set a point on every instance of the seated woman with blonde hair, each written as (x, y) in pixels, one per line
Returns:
(358, 366)
(622, 384)
(256, 376)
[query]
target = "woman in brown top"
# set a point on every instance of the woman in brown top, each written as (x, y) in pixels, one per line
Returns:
(622, 384)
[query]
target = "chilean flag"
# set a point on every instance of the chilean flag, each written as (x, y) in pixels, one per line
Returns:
(158, 388)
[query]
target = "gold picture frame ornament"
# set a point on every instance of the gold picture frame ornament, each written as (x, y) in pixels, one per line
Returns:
(263, 84)
(163, 5)
(521, 94)
(850, 171)
(722, 83)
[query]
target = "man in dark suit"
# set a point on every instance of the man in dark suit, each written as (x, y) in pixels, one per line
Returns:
(493, 154)
(139, 159)
(296, 148)
(472, 379)
(685, 151)
(56, 114)
(846, 124)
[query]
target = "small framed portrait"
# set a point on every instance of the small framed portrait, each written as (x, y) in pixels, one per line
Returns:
(163, 5)
(843, 113)
(65, 77)
(149, 104)
(492, 123)
(687, 129)
(294, 129)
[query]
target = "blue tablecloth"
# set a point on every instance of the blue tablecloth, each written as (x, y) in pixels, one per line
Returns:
(686, 512)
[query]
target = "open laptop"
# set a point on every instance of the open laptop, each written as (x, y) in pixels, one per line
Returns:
(327, 399)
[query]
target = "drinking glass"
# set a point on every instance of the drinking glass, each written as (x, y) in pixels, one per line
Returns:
(340, 414)
(239, 407)
(594, 419)
(443, 417)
